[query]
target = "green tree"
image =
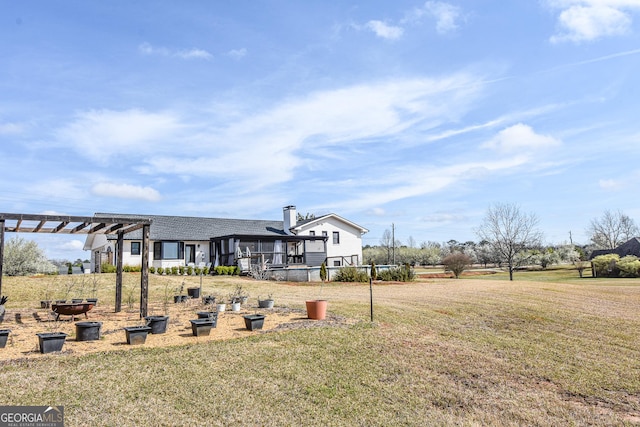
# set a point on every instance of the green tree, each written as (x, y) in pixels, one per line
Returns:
(23, 257)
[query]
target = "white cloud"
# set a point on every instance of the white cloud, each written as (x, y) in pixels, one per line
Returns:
(194, 53)
(71, 246)
(587, 20)
(444, 217)
(104, 134)
(445, 14)
(610, 184)
(11, 128)
(384, 30)
(126, 191)
(520, 138)
(237, 53)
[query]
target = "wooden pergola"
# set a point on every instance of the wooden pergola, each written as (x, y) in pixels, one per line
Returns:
(59, 224)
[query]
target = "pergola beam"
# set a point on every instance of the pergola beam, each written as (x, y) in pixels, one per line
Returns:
(104, 225)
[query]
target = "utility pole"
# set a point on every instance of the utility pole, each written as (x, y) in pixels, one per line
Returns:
(393, 241)
(570, 238)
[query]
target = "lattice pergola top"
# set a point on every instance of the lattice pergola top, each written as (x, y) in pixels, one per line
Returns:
(62, 224)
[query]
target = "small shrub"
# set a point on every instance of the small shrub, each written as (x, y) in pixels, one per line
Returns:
(152, 270)
(181, 270)
(456, 262)
(107, 268)
(174, 270)
(160, 270)
(351, 274)
(323, 272)
(205, 271)
(629, 266)
(398, 274)
(189, 271)
(374, 272)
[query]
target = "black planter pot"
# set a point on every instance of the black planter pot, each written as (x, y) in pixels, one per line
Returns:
(201, 327)
(208, 300)
(51, 341)
(158, 324)
(265, 303)
(211, 315)
(136, 334)
(76, 300)
(193, 292)
(61, 301)
(254, 321)
(88, 331)
(4, 334)
(93, 301)
(180, 298)
(45, 303)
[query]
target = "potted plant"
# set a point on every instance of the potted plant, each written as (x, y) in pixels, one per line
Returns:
(3, 300)
(4, 334)
(266, 303)
(88, 331)
(254, 321)
(236, 297)
(52, 340)
(193, 292)
(136, 334)
(220, 305)
(180, 297)
(158, 324)
(93, 299)
(201, 327)
(317, 308)
(49, 342)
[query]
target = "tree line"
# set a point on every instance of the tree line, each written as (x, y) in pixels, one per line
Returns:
(508, 237)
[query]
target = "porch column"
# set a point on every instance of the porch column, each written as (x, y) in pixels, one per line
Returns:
(120, 250)
(144, 276)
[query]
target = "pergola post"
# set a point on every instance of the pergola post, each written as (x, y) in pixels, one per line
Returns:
(119, 254)
(144, 276)
(1, 251)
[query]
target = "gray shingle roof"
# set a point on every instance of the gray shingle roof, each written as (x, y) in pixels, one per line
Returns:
(199, 228)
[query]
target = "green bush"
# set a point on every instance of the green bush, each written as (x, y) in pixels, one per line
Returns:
(174, 270)
(189, 271)
(181, 270)
(205, 271)
(605, 265)
(107, 268)
(132, 268)
(398, 274)
(629, 266)
(160, 270)
(225, 270)
(152, 270)
(351, 274)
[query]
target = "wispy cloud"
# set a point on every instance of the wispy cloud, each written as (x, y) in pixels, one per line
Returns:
(194, 53)
(587, 20)
(11, 128)
(385, 31)
(126, 191)
(237, 53)
(104, 134)
(446, 15)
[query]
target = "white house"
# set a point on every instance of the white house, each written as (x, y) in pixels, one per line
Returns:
(178, 241)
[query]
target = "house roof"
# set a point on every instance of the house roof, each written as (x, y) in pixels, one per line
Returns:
(201, 228)
(311, 221)
(630, 247)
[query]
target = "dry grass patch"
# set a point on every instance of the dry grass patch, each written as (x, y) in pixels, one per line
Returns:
(441, 352)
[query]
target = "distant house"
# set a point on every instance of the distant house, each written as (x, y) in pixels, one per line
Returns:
(182, 241)
(630, 247)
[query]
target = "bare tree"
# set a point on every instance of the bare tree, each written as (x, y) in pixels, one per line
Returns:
(611, 230)
(387, 243)
(510, 232)
(457, 262)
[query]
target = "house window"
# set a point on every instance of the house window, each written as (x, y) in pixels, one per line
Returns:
(168, 250)
(312, 233)
(324, 234)
(336, 237)
(336, 263)
(135, 248)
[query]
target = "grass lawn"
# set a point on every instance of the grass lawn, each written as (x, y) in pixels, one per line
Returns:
(545, 349)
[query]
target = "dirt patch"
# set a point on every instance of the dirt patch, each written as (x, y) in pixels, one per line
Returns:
(25, 323)
(451, 276)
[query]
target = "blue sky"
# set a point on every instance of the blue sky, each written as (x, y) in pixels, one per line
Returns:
(413, 113)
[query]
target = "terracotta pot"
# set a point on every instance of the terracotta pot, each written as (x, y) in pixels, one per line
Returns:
(317, 309)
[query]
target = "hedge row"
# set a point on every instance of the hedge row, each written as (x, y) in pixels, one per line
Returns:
(611, 265)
